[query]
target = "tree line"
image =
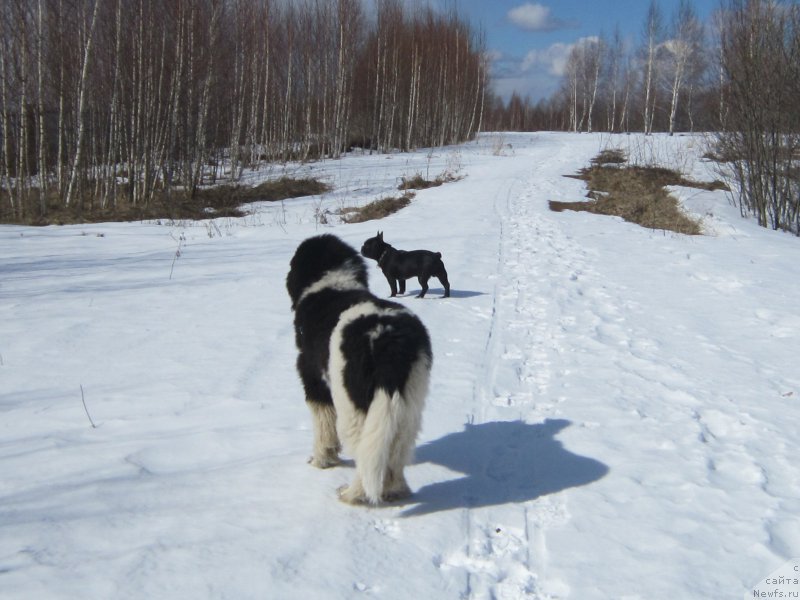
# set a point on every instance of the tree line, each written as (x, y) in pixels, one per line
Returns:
(673, 76)
(737, 75)
(662, 81)
(119, 102)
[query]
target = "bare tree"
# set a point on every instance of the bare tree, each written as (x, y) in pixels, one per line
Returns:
(583, 69)
(761, 56)
(82, 93)
(5, 106)
(594, 56)
(613, 78)
(651, 39)
(683, 53)
(571, 90)
(40, 93)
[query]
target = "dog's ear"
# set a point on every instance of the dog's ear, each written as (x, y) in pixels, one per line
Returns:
(380, 235)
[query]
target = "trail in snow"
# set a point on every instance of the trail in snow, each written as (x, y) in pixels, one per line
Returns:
(517, 469)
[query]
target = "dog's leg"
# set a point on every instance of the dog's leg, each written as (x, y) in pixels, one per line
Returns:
(326, 441)
(423, 281)
(442, 277)
(353, 493)
(402, 285)
(392, 285)
(396, 487)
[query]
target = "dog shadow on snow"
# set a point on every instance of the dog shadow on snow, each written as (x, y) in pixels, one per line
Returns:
(436, 293)
(503, 462)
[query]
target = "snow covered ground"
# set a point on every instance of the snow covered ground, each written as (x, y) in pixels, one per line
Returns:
(614, 411)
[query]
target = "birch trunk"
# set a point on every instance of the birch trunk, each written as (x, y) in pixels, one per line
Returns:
(43, 183)
(81, 102)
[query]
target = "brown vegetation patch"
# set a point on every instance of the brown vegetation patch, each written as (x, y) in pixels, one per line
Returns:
(637, 194)
(377, 209)
(418, 182)
(610, 156)
(216, 201)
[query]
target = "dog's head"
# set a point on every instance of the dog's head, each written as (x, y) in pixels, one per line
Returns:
(374, 247)
(327, 261)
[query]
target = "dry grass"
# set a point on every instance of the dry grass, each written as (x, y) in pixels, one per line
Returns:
(386, 206)
(377, 209)
(216, 201)
(418, 182)
(610, 156)
(637, 194)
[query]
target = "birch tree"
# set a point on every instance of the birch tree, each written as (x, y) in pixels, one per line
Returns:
(651, 38)
(40, 92)
(82, 92)
(614, 78)
(594, 51)
(683, 51)
(5, 99)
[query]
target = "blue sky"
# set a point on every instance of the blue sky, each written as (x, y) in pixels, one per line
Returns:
(530, 40)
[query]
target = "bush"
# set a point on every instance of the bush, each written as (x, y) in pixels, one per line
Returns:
(760, 141)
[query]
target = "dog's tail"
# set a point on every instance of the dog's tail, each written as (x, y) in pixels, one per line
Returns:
(390, 431)
(375, 447)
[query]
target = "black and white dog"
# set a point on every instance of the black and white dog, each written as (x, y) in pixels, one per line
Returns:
(365, 365)
(399, 265)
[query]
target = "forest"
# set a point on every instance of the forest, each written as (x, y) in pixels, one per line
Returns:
(115, 104)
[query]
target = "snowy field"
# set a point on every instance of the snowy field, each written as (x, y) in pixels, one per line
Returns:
(614, 411)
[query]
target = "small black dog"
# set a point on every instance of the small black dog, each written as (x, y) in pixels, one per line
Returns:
(399, 265)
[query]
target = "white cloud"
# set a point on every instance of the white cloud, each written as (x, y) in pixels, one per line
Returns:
(494, 55)
(537, 74)
(534, 17)
(553, 58)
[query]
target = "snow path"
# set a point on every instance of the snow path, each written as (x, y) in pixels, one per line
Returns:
(613, 411)
(505, 551)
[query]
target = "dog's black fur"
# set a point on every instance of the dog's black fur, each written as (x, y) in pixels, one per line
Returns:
(348, 361)
(399, 265)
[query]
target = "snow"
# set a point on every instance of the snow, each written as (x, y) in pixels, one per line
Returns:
(613, 410)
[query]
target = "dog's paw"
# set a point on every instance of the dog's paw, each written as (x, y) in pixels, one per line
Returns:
(348, 495)
(397, 496)
(324, 462)
(355, 495)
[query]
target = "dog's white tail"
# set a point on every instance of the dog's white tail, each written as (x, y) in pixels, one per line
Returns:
(390, 434)
(374, 454)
